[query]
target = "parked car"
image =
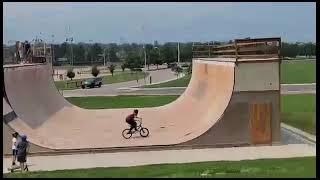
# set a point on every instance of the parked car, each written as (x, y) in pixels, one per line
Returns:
(91, 83)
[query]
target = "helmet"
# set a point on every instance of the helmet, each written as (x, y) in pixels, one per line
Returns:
(24, 137)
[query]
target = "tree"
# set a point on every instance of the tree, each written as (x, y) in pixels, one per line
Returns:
(113, 52)
(79, 53)
(169, 52)
(155, 57)
(95, 71)
(148, 50)
(186, 52)
(111, 68)
(70, 74)
(123, 67)
(289, 50)
(96, 50)
(133, 60)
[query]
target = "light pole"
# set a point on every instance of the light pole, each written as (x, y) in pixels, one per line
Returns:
(104, 56)
(90, 41)
(178, 54)
(71, 39)
(145, 58)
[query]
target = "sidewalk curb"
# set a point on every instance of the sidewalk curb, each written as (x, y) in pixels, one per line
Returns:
(299, 84)
(300, 133)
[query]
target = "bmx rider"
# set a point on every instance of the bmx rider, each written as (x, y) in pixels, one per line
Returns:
(130, 119)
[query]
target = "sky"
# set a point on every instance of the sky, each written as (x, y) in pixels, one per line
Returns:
(125, 22)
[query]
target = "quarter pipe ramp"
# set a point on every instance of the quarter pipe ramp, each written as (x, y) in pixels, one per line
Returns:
(52, 122)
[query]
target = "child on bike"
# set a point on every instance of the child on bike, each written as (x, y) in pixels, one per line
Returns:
(130, 120)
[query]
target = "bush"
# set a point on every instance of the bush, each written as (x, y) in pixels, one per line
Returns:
(70, 74)
(95, 71)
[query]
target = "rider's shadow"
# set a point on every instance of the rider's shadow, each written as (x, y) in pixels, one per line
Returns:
(137, 136)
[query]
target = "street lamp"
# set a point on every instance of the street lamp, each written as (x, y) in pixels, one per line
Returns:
(145, 58)
(104, 56)
(71, 40)
(178, 54)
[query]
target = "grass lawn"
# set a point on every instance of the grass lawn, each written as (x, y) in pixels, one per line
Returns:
(116, 78)
(294, 72)
(299, 111)
(285, 168)
(297, 72)
(109, 102)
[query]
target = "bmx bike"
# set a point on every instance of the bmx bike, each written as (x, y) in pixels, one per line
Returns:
(144, 132)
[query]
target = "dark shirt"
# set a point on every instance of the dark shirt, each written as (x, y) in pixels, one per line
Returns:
(22, 148)
(130, 118)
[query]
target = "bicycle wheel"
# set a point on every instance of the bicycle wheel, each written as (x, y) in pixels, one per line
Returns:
(125, 134)
(144, 132)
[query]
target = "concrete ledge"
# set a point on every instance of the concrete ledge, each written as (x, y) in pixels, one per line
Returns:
(299, 132)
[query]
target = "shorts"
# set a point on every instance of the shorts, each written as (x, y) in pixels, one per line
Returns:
(14, 152)
(21, 159)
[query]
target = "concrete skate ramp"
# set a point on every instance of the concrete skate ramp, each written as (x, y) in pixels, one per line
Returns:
(8, 116)
(52, 122)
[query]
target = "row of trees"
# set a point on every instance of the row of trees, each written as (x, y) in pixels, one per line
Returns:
(131, 55)
(156, 54)
(298, 49)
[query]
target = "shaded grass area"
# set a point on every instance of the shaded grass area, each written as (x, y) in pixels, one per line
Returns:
(109, 102)
(298, 72)
(294, 72)
(290, 167)
(299, 111)
(116, 78)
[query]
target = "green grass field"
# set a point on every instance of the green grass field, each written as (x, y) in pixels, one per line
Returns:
(116, 78)
(110, 102)
(299, 111)
(298, 72)
(273, 168)
(294, 72)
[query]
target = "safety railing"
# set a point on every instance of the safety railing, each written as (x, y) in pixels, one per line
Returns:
(239, 49)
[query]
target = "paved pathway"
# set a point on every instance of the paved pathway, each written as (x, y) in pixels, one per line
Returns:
(125, 89)
(125, 159)
(285, 89)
